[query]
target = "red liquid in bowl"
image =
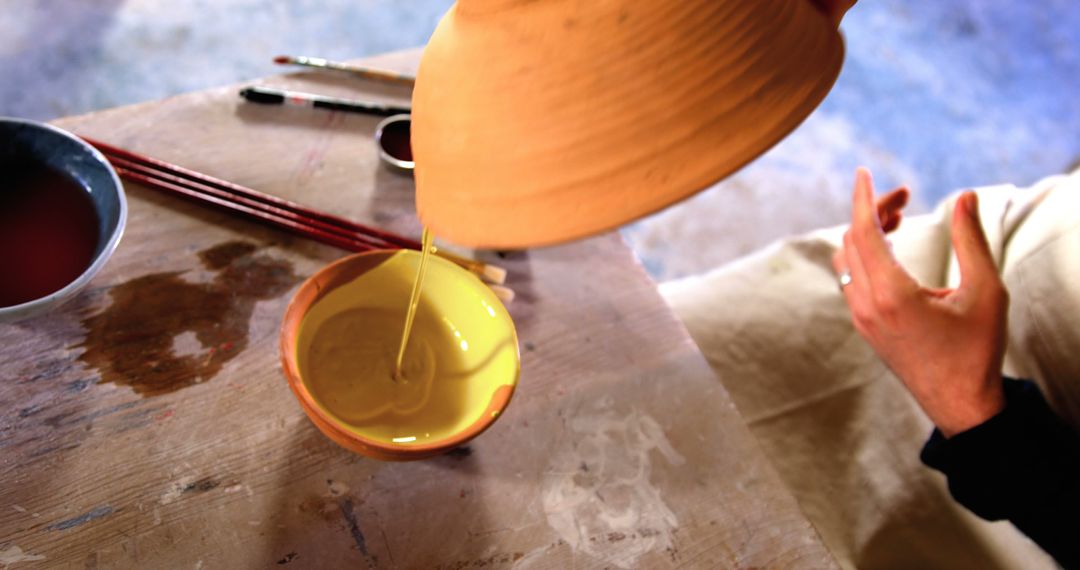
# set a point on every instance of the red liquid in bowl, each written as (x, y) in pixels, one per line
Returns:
(396, 140)
(48, 232)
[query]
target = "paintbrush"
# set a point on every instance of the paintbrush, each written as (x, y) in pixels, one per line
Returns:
(272, 96)
(364, 72)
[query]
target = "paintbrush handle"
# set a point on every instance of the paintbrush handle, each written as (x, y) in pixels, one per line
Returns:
(364, 72)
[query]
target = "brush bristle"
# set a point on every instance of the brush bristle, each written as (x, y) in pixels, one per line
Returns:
(282, 59)
(505, 294)
(495, 274)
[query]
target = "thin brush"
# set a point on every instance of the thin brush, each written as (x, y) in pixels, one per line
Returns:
(364, 72)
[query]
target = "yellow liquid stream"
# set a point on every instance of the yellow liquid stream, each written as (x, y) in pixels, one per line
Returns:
(414, 300)
(415, 380)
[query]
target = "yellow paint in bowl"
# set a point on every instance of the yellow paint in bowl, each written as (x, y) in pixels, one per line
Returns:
(460, 367)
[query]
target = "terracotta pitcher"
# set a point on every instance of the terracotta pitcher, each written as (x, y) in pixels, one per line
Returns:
(541, 121)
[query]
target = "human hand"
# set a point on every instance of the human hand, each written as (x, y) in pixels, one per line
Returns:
(946, 345)
(834, 9)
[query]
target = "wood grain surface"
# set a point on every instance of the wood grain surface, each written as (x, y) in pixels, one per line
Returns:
(147, 424)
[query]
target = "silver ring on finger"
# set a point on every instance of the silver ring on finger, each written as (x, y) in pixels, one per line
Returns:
(845, 279)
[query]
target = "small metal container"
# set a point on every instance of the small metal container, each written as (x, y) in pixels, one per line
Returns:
(392, 136)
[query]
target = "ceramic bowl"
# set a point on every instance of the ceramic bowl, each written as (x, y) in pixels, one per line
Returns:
(457, 314)
(62, 151)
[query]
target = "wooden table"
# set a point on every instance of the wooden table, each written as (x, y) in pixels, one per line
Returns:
(148, 425)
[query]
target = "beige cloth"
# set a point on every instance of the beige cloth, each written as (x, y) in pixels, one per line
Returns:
(840, 428)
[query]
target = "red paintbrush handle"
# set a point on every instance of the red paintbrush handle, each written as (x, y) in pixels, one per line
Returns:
(247, 211)
(236, 189)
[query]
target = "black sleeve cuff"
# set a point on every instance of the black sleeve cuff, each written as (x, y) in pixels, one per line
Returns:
(1022, 465)
(1016, 460)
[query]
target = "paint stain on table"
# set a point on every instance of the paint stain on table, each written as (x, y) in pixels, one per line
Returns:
(97, 513)
(162, 333)
(339, 507)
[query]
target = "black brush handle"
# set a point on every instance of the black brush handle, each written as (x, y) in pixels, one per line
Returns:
(263, 96)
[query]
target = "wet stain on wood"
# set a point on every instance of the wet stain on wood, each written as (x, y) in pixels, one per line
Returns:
(133, 341)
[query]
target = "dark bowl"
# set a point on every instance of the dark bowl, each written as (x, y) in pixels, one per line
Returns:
(22, 140)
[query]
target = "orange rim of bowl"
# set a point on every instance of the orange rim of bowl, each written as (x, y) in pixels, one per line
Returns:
(312, 290)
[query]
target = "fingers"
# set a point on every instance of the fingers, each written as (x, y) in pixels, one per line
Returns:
(858, 293)
(977, 266)
(893, 201)
(889, 225)
(868, 236)
(889, 208)
(878, 284)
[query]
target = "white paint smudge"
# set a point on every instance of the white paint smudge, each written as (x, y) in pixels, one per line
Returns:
(176, 489)
(18, 508)
(337, 488)
(13, 554)
(237, 488)
(597, 495)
